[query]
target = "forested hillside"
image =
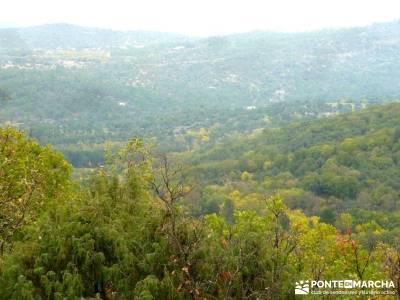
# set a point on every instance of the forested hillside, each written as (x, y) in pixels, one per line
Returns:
(125, 233)
(91, 85)
(348, 163)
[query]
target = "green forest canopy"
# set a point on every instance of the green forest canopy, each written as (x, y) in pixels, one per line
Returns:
(125, 233)
(349, 162)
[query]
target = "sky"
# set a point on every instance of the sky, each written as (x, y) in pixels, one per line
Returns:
(200, 17)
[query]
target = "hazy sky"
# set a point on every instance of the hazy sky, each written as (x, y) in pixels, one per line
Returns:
(200, 17)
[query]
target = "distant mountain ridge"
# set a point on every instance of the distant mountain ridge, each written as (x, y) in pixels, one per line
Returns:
(62, 35)
(69, 35)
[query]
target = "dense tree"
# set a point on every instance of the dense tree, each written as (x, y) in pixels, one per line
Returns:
(31, 177)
